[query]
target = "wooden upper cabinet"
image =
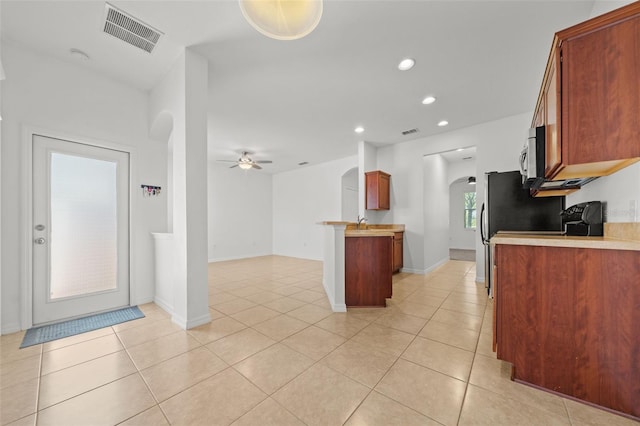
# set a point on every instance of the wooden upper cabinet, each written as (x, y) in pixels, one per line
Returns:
(590, 97)
(377, 190)
(553, 149)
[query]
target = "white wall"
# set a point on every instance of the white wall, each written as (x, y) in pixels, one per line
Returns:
(62, 97)
(620, 193)
(301, 199)
(240, 213)
(436, 212)
(459, 169)
(498, 144)
(179, 103)
(350, 195)
(367, 162)
(459, 236)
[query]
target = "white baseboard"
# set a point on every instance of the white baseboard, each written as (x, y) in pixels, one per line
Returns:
(186, 325)
(412, 271)
(247, 256)
(164, 305)
(339, 307)
(436, 265)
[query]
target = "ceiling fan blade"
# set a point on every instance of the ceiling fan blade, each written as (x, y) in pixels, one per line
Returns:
(255, 166)
(264, 162)
(235, 165)
(227, 161)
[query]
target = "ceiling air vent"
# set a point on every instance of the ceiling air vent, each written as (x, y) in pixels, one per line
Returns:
(129, 29)
(410, 131)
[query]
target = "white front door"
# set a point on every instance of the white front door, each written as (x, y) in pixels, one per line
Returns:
(80, 229)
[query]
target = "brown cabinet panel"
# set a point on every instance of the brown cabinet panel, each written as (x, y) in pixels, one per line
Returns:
(368, 270)
(553, 149)
(566, 319)
(590, 97)
(398, 251)
(377, 195)
(601, 89)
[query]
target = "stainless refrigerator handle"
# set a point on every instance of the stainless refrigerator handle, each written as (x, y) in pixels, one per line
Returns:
(482, 236)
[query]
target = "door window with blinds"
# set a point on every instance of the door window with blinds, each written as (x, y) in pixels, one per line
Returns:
(80, 229)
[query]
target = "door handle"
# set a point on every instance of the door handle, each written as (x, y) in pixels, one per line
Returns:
(482, 236)
(40, 240)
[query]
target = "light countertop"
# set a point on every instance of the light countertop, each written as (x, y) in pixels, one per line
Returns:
(368, 233)
(606, 243)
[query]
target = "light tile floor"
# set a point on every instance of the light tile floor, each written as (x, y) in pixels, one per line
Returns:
(275, 354)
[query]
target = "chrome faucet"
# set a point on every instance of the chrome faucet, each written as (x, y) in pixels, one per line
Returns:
(360, 220)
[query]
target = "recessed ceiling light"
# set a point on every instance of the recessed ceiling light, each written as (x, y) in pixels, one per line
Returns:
(428, 100)
(460, 149)
(359, 129)
(406, 64)
(79, 54)
(443, 123)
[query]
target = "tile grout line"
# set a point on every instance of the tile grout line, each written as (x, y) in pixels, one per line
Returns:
(468, 381)
(37, 412)
(396, 361)
(139, 373)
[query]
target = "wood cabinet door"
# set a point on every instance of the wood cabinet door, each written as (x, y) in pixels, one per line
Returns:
(384, 198)
(368, 280)
(553, 147)
(397, 252)
(567, 319)
(377, 185)
(601, 94)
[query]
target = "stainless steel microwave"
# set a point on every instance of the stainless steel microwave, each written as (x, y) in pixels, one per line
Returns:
(532, 165)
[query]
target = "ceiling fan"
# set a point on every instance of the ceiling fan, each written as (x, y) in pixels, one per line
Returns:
(245, 162)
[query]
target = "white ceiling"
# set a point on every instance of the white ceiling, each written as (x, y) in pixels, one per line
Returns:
(294, 101)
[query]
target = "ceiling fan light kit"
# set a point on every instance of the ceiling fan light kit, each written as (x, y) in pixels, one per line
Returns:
(245, 162)
(282, 19)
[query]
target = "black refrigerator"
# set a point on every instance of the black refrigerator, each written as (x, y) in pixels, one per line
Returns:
(509, 207)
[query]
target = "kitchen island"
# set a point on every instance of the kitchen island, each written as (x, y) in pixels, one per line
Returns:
(368, 268)
(359, 263)
(567, 311)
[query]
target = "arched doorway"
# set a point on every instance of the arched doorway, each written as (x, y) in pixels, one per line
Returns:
(463, 219)
(350, 194)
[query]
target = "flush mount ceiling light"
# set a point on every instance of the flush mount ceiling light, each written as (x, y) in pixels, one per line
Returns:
(359, 129)
(443, 123)
(282, 19)
(428, 100)
(406, 64)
